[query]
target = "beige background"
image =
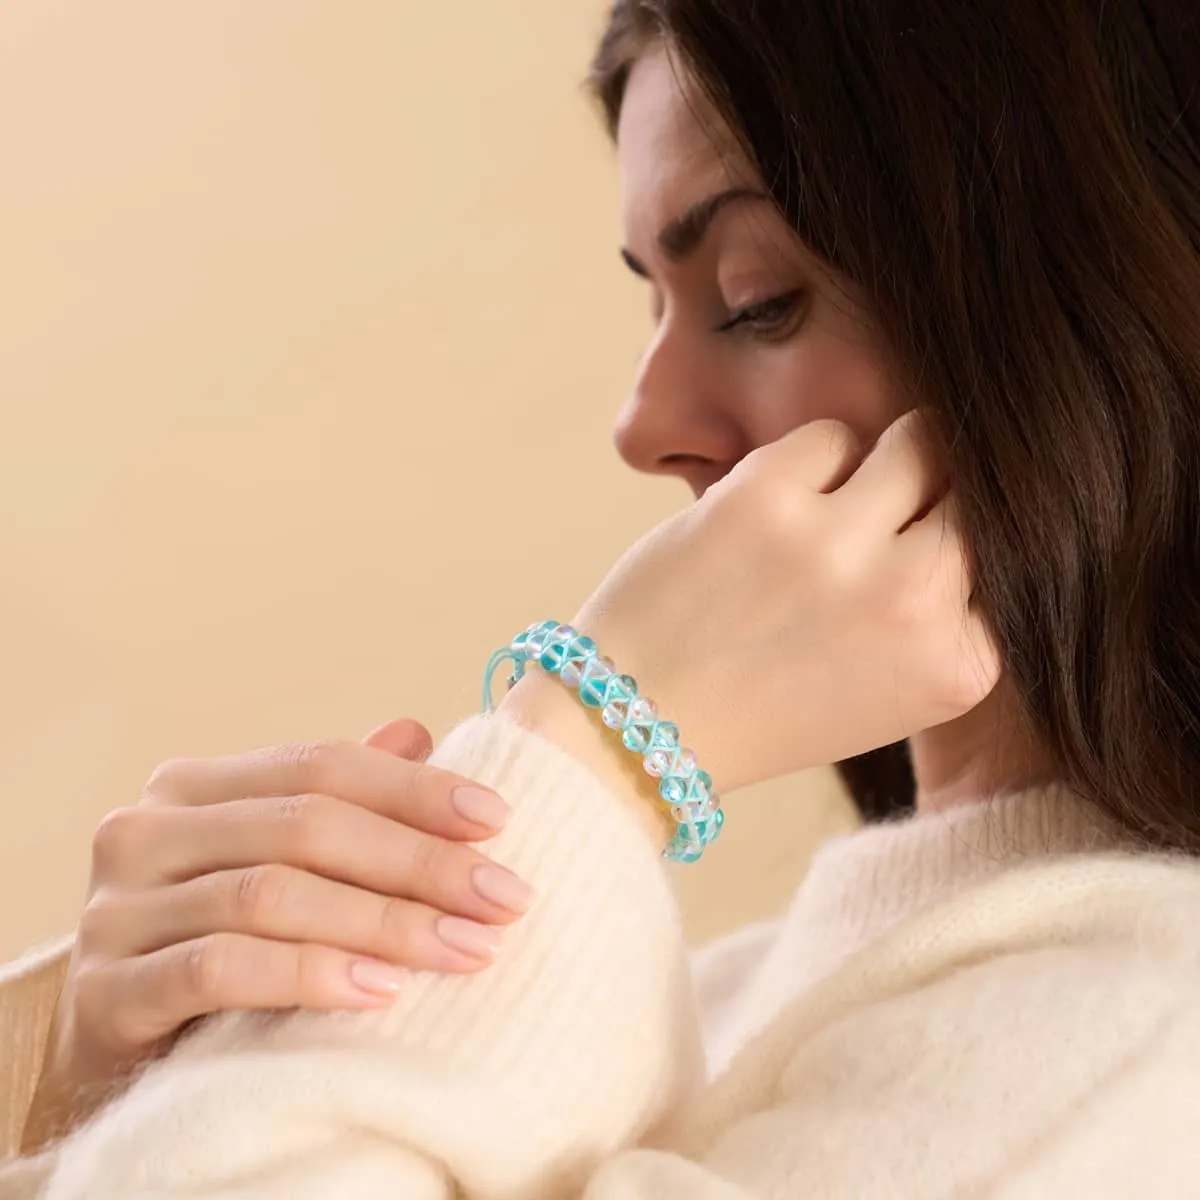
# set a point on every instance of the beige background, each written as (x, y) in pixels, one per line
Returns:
(311, 332)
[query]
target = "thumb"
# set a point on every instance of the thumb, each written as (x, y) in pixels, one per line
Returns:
(403, 737)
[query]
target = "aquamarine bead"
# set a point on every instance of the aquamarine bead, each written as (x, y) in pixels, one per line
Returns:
(686, 790)
(710, 829)
(700, 786)
(593, 682)
(618, 699)
(673, 789)
(575, 658)
(554, 651)
(681, 850)
(536, 639)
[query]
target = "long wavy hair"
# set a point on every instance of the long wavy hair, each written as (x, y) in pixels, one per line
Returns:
(1015, 186)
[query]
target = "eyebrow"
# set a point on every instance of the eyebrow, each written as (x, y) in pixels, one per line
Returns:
(682, 237)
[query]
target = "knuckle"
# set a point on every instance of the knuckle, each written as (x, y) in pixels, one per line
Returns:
(95, 1012)
(117, 838)
(96, 920)
(429, 861)
(426, 782)
(259, 892)
(395, 925)
(315, 761)
(304, 820)
(206, 966)
(779, 508)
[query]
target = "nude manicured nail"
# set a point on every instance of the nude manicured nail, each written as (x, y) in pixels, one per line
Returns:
(502, 887)
(375, 977)
(467, 937)
(480, 806)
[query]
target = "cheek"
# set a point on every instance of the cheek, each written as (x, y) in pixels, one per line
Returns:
(817, 376)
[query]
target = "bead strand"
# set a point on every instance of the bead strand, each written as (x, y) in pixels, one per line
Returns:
(684, 788)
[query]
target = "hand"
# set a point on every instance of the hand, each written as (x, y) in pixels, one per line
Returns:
(299, 876)
(811, 606)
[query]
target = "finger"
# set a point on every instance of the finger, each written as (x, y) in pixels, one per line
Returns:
(428, 798)
(146, 999)
(821, 455)
(279, 903)
(405, 738)
(322, 835)
(900, 480)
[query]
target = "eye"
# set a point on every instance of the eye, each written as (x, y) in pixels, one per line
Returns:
(771, 316)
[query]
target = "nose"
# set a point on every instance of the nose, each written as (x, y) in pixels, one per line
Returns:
(678, 419)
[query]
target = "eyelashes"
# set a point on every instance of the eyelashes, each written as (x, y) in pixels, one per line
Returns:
(773, 317)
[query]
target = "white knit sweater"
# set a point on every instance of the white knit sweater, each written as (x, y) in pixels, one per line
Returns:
(993, 1002)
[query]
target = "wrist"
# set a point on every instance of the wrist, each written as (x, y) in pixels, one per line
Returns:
(545, 707)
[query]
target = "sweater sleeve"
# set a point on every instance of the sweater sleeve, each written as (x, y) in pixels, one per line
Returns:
(29, 989)
(581, 1040)
(997, 1043)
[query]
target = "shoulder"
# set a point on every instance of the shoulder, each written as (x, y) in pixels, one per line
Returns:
(1034, 1029)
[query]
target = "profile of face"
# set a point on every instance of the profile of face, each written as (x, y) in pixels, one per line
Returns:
(752, 336)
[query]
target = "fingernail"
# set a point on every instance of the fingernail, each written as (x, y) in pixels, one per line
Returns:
(467, 937)
(378, 978)
(480, 806)
(502, 887)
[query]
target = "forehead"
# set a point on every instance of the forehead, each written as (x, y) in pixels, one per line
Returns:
(672, 148)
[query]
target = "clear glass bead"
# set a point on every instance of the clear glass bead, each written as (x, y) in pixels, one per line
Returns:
(619, 698)
(639, 728)
(685, 763)
(594, 679)
(578, 652)
(666, 736)
(694, 812)
(660, 762)
(537, 637)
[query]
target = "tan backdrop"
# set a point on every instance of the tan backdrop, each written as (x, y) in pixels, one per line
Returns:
(311, 333)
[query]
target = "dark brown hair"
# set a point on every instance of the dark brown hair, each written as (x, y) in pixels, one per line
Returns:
(1015, 187)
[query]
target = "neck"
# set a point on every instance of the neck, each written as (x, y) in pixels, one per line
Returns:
(987, 752)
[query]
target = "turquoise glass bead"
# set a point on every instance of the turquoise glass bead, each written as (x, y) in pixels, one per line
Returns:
(594, 679)
(554, 650)
(686, 790)
(575, 657)
(618, 699)
(673, 789)
(535, 641)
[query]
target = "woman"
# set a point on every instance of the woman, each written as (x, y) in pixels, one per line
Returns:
(843, 211)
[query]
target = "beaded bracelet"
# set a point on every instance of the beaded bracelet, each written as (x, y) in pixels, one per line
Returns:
(684, 788)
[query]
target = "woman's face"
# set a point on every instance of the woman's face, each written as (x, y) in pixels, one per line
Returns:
(752, 338)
